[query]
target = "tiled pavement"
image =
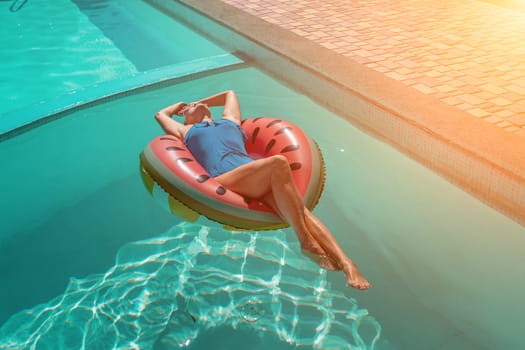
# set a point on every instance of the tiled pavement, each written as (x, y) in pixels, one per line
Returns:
(469, 54)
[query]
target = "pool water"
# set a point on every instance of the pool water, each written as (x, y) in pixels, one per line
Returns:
(85, 252)
(85, 42)
(72, 221)
(81, 224)
(167, 291)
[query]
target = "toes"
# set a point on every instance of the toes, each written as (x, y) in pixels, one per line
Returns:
(361, 285)
(364, 286)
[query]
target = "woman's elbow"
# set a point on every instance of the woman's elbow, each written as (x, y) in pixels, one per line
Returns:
(158, 116)
(161, 119)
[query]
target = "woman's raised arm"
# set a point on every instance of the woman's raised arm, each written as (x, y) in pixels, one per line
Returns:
(169, 125)
(229, 100)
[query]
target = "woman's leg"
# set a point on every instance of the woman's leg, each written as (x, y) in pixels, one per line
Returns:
(324, 238)
(324, 259)
(328, 242)
(268, 175)
(273, 175)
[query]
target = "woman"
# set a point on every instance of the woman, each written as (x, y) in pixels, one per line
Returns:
(219, 147)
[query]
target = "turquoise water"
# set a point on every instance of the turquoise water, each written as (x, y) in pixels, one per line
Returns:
(84, 246)
(167, 291)
(83, 43)
(85, 215)
(73, 221)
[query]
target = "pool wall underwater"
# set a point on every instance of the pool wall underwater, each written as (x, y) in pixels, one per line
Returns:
(424, 250)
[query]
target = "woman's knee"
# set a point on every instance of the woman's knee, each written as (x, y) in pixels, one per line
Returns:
(280, 165)
(279, 162)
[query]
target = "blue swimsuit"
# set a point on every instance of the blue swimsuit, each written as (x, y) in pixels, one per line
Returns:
(218, 145)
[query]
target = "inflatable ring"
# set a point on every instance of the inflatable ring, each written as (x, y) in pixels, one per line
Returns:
(193, 192)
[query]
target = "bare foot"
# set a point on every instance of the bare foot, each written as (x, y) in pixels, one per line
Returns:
(354, 277)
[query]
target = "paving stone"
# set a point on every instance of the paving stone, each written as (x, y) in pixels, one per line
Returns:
(396, 76)
(424, 88)
(500, 101)
(478, 112)
(493, 89)
(493, 120)
(504, 113)
(445, 88)
(504, 124)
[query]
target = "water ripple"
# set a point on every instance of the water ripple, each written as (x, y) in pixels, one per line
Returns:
(52, 40)
(164, 292)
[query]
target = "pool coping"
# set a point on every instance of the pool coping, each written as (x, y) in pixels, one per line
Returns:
(484, 160)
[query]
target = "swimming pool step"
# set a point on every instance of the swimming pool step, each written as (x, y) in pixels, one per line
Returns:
(46, 110)
(128, 25)
(125, 32)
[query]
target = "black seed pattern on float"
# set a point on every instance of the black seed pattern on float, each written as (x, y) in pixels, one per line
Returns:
(202, 178)
(273, 122)
(269, 146)
(220, 190)
(295, 166)
(184, 160)
(255, 133)
(290, 148)
(174, 148)
(282, 130)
